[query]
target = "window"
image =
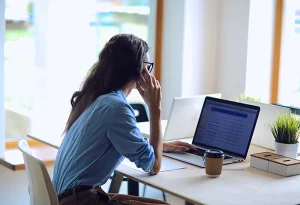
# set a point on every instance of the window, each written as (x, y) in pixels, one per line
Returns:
(49, 48)
(273, 49)
(19, 58)
(289, 75)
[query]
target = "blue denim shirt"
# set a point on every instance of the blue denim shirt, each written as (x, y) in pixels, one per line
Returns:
(97, 143)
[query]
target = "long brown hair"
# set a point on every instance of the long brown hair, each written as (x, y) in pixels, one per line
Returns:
(120, 61)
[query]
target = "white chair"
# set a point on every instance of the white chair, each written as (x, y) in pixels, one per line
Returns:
(41, 189)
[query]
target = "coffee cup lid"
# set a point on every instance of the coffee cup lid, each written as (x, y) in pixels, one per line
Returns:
(214, 154)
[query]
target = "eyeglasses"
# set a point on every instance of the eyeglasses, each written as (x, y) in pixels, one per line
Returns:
(149, 66)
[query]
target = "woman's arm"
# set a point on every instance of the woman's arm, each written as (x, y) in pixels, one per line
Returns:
(156, 137)
(150, 90)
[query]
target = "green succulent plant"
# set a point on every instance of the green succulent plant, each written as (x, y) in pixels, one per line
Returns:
(285, 129)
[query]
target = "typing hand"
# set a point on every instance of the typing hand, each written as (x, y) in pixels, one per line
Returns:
(177, 146)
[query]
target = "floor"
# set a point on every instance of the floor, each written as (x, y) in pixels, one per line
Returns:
(13, 188)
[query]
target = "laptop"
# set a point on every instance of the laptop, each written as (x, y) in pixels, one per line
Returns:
(183, 118)
(184, 115)
(224, 125)
(268, 113)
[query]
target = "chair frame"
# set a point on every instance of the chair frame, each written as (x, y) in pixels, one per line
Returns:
(51, 193)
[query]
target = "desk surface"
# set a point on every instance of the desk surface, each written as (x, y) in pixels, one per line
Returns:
(238, 184)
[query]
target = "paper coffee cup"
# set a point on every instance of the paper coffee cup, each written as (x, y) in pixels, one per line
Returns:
(213, 160)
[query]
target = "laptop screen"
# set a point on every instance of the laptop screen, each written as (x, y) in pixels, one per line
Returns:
(226, 125)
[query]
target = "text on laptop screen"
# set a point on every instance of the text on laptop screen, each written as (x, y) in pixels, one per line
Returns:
(225, 126)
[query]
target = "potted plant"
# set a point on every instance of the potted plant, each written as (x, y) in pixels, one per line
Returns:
(285, 130)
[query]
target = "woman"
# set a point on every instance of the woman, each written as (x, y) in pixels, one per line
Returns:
(101, 129)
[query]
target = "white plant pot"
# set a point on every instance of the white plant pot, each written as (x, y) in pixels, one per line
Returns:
(288, 150)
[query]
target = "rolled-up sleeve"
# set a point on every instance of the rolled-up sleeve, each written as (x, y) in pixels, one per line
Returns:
(127, 139)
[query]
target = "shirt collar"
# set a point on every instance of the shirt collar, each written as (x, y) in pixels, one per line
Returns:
(121, 94)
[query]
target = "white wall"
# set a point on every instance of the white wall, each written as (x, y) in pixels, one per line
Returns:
(2, 37)
(260, 49)
(172, 49)
(201, 28)
(233, 38)
(204, 48)
(190, 39)
(152, 31)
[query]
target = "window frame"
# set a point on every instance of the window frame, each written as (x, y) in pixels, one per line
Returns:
(277, 51)
(2, 40)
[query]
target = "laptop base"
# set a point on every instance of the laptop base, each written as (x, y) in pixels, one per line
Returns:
(195, 159)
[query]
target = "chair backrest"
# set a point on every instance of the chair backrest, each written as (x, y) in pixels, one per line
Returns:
(41, 189)
(141, 113)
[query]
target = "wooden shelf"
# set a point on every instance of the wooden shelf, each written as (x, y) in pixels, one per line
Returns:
(13, 158)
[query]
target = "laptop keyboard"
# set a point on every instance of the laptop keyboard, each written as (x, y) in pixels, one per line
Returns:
(200, 152)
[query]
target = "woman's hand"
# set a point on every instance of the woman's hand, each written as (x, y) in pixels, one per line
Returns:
(177, 146)
(149, 88)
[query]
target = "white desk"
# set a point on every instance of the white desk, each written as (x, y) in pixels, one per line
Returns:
(238, 184)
